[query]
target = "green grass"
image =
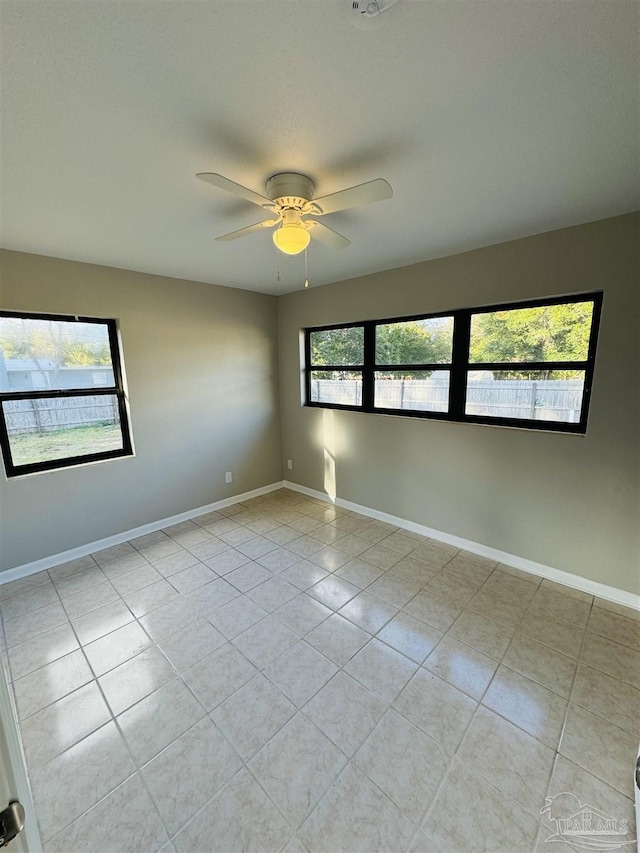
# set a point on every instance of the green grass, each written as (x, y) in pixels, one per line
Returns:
(78, 441)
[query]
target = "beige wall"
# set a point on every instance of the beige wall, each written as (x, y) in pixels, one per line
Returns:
(570, 502)
(203, 387)
(201, 368)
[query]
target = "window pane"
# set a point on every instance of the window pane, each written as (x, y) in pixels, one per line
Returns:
(415, 341)
(333, 386)
(548, 333)
(53, 354)
(540, 395)
(421, 391)
(41, 430)
(338, 346)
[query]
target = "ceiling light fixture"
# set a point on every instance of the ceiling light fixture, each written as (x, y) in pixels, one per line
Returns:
(290, 197)
(292, 237)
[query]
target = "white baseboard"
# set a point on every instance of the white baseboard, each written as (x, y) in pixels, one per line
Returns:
(611, 593)
(65, 556)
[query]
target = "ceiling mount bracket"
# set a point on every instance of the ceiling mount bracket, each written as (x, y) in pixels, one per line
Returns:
(289, 186)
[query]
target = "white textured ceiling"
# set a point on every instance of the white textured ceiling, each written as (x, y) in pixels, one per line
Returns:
(491, 120)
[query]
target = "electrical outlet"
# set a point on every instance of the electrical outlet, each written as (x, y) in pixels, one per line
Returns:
(289, 464)
(228, 477)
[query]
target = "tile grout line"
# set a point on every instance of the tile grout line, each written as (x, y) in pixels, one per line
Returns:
(124, 740)
(557, 755)
(137, 770)
(479, 705)
(334, 612)
(80, 648)
(475, 713)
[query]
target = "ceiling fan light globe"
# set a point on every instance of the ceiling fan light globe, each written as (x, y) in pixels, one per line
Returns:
(291, 239)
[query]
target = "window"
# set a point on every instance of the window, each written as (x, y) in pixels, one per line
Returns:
(413, 364)
(62, 400)
(522, 364)
(338, 359)
(538, 356)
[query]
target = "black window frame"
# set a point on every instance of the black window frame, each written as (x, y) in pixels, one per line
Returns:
(335, 368)
(117, 390)
(460, 366)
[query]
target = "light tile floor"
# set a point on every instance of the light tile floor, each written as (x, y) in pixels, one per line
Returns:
(285, 675)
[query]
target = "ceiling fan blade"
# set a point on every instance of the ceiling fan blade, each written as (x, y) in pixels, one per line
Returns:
(326, 235)
(250, 229)
(235, 189)
(356, 196)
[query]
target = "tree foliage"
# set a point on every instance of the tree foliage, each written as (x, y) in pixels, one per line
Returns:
(541, 334)
(413, 343)
(551, 333)
(396, 343)
(338, 346)
(64, 344)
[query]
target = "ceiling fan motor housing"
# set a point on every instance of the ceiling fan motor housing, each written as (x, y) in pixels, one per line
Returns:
(290, 190)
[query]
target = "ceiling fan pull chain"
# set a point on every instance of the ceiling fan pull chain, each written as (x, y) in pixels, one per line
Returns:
(277, 263)
(306, 273)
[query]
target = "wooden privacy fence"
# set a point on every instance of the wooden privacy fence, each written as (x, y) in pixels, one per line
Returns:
(549, 399)
(542, 400)
(430, 395)
(50, 414)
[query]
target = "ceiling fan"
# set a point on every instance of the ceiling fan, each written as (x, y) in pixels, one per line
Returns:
(290, 197)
